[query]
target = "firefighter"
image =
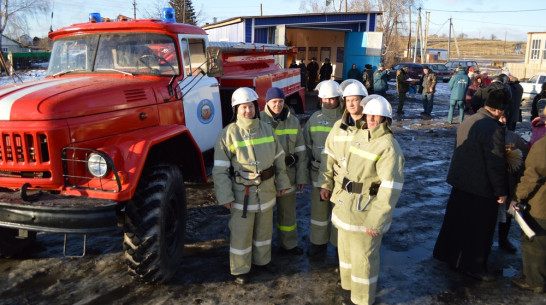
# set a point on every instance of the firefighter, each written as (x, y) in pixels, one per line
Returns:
(372, 183)
(340, 137)
(249, 172)
(315, 132)
(288, 130)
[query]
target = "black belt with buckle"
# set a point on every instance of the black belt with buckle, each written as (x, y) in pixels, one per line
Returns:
(351, 186)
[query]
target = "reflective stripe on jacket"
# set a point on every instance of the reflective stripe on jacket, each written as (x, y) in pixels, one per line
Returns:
(335, 152)
(315, 133)
(290, 136)
(374, 157)
(248, 145)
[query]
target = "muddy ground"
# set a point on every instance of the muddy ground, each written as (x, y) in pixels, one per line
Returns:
(408, 275)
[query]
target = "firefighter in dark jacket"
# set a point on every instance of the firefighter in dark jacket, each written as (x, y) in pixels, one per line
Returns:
(249, 172)
(478, 176)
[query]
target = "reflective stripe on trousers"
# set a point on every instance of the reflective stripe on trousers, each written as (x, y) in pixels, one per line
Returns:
(250, 240)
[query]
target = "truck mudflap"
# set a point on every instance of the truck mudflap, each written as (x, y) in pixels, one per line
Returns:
(57, 214)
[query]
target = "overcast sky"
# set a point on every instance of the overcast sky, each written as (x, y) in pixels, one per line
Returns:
(475, 18)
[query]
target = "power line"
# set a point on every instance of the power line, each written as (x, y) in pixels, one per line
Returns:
(487, 12)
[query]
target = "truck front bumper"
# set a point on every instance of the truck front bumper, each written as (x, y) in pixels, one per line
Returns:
(57, 213)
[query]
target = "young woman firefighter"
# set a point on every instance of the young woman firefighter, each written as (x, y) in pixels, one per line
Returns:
(340, 138)
(372, 182)
(315, 132)
(288, 130)
(249, 172)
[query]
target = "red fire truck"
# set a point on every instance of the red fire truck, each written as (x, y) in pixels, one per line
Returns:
(127, 112)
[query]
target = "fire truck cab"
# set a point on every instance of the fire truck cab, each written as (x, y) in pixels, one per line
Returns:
(128, 111)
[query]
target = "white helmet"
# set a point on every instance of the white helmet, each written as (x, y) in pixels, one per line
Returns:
(354, 89)
(243, 95)
(328, 89)
(376, 105)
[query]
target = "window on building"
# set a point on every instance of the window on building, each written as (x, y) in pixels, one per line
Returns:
(301, 53)
(313, 52)
(4, 49)
(340, 54)
(535, 49)
(325, 52)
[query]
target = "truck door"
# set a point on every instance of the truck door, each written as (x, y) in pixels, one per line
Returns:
(201, 96)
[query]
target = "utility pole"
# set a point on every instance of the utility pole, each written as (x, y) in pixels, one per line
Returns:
(455, 38)
(426, 37)
(184, 11)
(449, 41)
(504, 49)
(417, 36)
(134, 9)
(261, 10)
(409, 38)
(345, 6)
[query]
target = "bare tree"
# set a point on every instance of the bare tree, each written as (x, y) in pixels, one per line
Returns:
(14, 13)
(493, 37)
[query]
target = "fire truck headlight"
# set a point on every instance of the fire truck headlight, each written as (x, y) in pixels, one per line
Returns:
(97, 165)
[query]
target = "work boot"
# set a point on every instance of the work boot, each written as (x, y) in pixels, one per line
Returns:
(293, 251)
(480, 276)
(265, 269)
(241, 279)
(522, 283)
(315, 250)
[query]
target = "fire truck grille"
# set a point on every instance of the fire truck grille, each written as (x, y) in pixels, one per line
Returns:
(76, 173)
(23, 148)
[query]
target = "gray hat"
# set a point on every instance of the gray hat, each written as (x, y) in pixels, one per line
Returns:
(381, 65)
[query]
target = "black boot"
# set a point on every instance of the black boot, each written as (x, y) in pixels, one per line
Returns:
(315, 250)
(504, 243)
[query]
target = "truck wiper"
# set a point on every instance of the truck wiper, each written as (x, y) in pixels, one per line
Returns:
(116, 70)
(66, 72)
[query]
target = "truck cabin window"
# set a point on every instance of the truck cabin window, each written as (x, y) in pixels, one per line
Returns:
(194, 56)
(135, 53)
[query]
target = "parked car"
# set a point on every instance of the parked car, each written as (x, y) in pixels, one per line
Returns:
(453, 64)
(415, 71)
(442, 72)
(533, 86)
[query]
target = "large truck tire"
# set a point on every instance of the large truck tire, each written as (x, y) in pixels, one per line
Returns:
(155, 223)
(11, 244)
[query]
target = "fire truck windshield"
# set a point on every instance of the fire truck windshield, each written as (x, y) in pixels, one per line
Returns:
(129, 53)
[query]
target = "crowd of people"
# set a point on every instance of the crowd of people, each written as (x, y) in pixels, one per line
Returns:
(348, 154)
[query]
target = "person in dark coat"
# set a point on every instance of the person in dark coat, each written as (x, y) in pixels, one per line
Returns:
(293, 64)
(478, 176)
(326, 70)
(538, 97)
(533, 251)
(517, 92)
(402, 86)
(354, 73)
(458, 84)
(367, 78)
(380, 78)
(312, 70)
(479, 98)
(303, 73)
(477, 83)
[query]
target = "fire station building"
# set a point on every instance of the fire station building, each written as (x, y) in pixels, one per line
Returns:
(344, 38)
